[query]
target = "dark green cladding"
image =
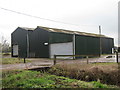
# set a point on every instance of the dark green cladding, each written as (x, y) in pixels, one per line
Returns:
(37, 46)
(85, 45)
(19, 37)
(107, 45)
(60, 37)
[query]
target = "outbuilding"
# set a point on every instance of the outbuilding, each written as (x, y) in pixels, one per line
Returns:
(45, 42)
(19, 41)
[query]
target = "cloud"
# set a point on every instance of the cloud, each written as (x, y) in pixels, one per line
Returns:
(80, 12)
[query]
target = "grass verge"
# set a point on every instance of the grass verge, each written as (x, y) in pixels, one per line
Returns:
(34, 79)
(106, 73)
(13, 60)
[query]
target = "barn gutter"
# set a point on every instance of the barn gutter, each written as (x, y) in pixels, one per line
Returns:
(100, 40)
(73, 46)
(27, 45)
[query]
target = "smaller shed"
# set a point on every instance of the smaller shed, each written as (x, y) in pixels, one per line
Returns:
(19, 41)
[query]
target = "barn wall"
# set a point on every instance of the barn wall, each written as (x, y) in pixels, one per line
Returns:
(18, 37)
(86, 45)
(60, 37)
(60, 44)
(118, 49)
(107, 45)
(38, 39)
(30, 41)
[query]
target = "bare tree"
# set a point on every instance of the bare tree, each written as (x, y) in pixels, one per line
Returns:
(5, 45)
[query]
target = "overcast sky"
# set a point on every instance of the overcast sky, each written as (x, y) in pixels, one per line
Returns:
(85, 15)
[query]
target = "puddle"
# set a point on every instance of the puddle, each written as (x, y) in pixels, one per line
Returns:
(110, 57)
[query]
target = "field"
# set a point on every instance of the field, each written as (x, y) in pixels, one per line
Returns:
(35, 79)
(65, 74)
(13, 60)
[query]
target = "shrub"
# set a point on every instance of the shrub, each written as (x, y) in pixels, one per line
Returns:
(34, 79)
(105, 73)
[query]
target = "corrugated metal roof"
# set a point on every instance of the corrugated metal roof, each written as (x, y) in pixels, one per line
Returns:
(71, 32)
(26, 28)
(65, 31)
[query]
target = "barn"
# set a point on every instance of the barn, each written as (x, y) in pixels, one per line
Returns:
(19, 41)
(45, 42)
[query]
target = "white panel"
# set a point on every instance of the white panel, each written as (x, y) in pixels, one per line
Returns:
(15, 50)
(61, 49)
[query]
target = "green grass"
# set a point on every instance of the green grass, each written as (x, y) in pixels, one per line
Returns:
(8, 53)
(13, 60)
(34, 79)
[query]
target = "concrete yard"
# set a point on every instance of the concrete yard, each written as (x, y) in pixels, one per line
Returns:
(40, 62)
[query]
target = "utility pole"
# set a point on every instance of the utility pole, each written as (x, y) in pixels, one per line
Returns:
(99, 30)
(100, 40)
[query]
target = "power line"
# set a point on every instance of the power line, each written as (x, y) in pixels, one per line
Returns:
(42, 18)
(33, 16)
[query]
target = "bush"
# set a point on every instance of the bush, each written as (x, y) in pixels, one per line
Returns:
(105, 73)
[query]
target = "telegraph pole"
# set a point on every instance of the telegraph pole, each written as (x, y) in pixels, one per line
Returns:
(100, 40)
(99, 29)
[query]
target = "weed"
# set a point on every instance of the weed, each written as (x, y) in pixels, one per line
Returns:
(34, 79)
(105, 73)
(13, 60)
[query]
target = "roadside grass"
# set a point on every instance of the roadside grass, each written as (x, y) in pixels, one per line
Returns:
(13, 60)
(34, 79)
(6, 54)
(106, 73)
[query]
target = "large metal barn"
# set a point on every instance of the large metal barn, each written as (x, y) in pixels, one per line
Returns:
(45, 42)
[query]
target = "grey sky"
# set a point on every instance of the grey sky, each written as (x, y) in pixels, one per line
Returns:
(86, 14)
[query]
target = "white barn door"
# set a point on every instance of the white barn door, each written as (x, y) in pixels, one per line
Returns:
(15, 50)
(61, 49)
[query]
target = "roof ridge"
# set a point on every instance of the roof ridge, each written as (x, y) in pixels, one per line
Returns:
(72, 32)
(27, 28)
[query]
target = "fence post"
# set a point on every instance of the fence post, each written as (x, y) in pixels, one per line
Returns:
(24, 60)
(54, 62)
(117, 56)
(87, 59)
